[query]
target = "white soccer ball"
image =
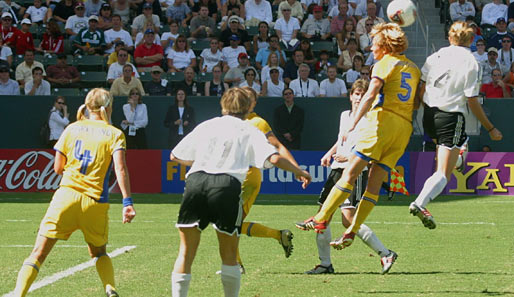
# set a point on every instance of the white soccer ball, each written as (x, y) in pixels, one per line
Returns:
(402, 12)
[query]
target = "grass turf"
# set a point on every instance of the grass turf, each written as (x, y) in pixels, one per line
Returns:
(470, 253)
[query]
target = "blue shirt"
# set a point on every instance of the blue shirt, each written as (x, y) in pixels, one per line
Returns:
(9, 88)
(263, 54)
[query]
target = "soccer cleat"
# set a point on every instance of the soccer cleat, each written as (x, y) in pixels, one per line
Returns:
(286, 238)
(461, 161)
(320, 269)
(388, 261)
(111, 293)
(344, 241)
(241, 269)
(311, 224)
(423, 214)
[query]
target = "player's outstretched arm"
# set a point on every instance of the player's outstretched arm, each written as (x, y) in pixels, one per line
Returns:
(180, 161)
(122, 175)
(282, 150)
(284, 164)
(478, 111)
(327, 157)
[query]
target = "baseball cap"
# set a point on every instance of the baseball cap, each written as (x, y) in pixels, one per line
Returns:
(234, 37)
(147, 5)
(502, 19)
(93, 18)
(233, 18)
(273, 69)
(492, 50)
(149, 31)
(4, 68)
(26, 21)
(317, 8)
(105, 6)
(242, 55)
(156, 68)
(119, 42)
(79, 4)
(6, 15)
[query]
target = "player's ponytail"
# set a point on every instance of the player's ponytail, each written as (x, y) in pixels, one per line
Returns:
(103, 114)
(81, 113)
(97, 101)
(461, 34)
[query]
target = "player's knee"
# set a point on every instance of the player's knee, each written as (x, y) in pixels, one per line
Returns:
(97, 251)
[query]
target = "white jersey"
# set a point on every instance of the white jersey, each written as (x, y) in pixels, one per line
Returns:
(345, 148)
(225, 145)
(452, 75)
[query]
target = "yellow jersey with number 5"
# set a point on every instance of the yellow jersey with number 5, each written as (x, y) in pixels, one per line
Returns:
(400, 77)
(88, 146)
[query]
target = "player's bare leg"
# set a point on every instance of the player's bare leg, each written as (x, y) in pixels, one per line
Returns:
(181, 275)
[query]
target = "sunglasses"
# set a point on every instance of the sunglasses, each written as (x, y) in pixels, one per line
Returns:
(122, 55)
(181, 41)
(134, 94)
(286, 9)
(79, 8)
(369, 24)
(4, 71)
(156, 72)
(61, 103)
(506, 41)
(364, 73)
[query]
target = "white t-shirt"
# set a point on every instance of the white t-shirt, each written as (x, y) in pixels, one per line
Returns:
(452, 75)
(209, 59)
(230, 55)
(225, 145)
(43, 89)
(262, 11)
(116, 70)
(265, 73)
(5, 52)
(274, 90)
(37, 14)
(111, 35)
(309, 88)
(505, 59)
(287, 28)
(480, 57)
(139, 38)
(76, 23)
(352, 75)
(345, 148)
(181, 59)
(167, 35)
(335, 89)
(255, 86)
(139, 117)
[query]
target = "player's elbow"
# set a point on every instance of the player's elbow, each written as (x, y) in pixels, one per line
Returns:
(275, 159)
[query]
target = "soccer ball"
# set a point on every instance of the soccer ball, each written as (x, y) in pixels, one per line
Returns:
(402, 12)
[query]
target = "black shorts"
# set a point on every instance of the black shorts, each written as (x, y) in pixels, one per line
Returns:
(358, 189)
(447, 128)
(212, 198)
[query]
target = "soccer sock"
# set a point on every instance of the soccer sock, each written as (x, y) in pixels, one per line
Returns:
(105, 270)
(368, 201)
(431, 189)
(259, 230)
(180, 284)
(323, 242)
(340, 192)
(231, 280)
(26, 276)
(370, 239)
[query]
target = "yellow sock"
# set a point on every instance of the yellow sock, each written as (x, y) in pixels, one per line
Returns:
(339, 193)
(105, 271)
(26, 276)
(259, 230)
(368, 201)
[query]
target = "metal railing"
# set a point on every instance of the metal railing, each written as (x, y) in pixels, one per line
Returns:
(422, 25)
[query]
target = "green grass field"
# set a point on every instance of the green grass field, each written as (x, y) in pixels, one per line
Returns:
(470, 253)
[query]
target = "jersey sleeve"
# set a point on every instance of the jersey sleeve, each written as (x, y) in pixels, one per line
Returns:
(260, 150)
(262, 125)
(61, 146)
(382, 70)
(119, 142)
(186, 148)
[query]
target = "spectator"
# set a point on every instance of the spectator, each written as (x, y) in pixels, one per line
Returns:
(479, 4)
(339, 21)
(510, 16)
(296, 9)
(202, 25)
(257, 11)
(181, 56)
(345, 60)
(146, 21)
(113, 57)
(117, 34)
(168, 38)
(215, 87)
(122, 85)
(344, 36)
(58, 120)
(63, 10)
(287, 27)
(273, 87)
(157, 86)
(90, 41)
(93, 7)
(233, 29)
(211, 5)
(232, 53)
(321, 66)
(361, 10)
(36, 12)
(62, 75)
(105, 17)
(496, 88)
(291, 69)
(250, 80)
(7, 85)
(274, 47)
(480, 55)
(235, 75)
(304, 86)
(13, 8)
(136, 120)
(501, 31)
(489, 65)
(365, 40)
(316, 28)
(508, 79)
(233, 7)
(148, 54)
(211, 57)
(76, 22)
(335, 8)
(492, 12)
(6, 55)
(122, 8)
(116, 68)
(372, 15)
(476, 35)
(353, 74)
(37, 86)
(505, 54)
(179, 12)
(24, 39)
(140, 39)
(333, 86)
(288, 121)
(9, 32)
(308, 55)
(272, 63)
(461, 9)
(156, 6)
(180, 119)
(189, 84)
(53, 40)
(261, 40)
(24, 70)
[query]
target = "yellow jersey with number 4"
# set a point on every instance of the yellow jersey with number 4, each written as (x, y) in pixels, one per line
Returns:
(88, 146)
(259, 123)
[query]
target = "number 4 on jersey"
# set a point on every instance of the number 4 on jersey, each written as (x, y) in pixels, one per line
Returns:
(85, 158)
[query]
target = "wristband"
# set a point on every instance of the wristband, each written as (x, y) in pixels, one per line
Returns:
(489, 131)
(127, 201)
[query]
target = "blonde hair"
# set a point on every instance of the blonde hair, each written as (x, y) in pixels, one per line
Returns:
(390, 37)
(252, 94)
(235, 102)
(97, 100)
(460, 34)
(360, 84)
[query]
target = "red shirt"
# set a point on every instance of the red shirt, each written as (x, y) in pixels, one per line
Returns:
(143, 51)
(9, 36)
(24, 41)
(492, 91)
(54, 44)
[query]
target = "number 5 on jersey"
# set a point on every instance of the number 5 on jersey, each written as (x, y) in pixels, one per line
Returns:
(405, 85)
(85, 158)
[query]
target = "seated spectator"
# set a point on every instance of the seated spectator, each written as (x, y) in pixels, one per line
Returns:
(476, 35)
(105, 17)
(339, 21)
(202, 26)
(304, 86)
(122, 85)
(461, 9)
(505, 54)
(345, 35)
(317, 28)
(93, 7)
(91, 40)
(136, 120)
(233, 7)
(189, 84)
(489, 65)
(274, 47)
(180, 119)
(250, 80)
(273, 87)
(113, 57)
(148, 54)
(168, 38)
(287, 27)
(76, 22)
(157, 86)
(140, 39)
(365, 39)
(14, 9)
(291, 69)
(7, 85)
(146, 21)
(37, 86)
(211, 5)
(58, 120)
(179, 12)
(296, 9)
(215, 87)
(372, 15)
(496, 88)
(335, 8)
(365, 73)
(508, 79)
(362, 10)
(233, 29)
(288, 121)
(322, 64)
(211, 56)
(36, 13)
(53, 39)
(510, 16)
(235, 76)
(333, 86)
(24, 39)
(495, 40)
(272, 63)
(117, 34)
(261, 40)
(257, 11)
(308, 55)
(492, 11)
(6, 54)
(156, 7)
(480, 54)
(116, 68)
(122, 8)
(62, 75)
(9, 32)
(24, 70)
(345, 60)
(232, 53)
(63, 10)
(181, 56)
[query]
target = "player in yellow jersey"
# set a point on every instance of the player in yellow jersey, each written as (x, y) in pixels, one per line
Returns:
(84, 153)
(386, 110)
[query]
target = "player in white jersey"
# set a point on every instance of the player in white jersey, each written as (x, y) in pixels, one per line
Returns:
(450, 83)
(220, 152)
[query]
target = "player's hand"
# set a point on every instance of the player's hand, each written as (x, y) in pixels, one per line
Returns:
(128, 214)
(305, 178)
(340, 158)
(325, 160)
(495, 134)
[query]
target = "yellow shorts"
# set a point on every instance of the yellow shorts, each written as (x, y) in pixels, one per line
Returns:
(383, 137)
(71, 210)
(250, 189)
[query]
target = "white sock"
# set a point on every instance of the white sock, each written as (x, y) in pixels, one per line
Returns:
(370, 239)
(323, 243)
(433, 186)
(180, 284)
(231, 280)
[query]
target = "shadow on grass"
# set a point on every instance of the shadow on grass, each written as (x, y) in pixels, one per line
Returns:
(437, 293)
(404, 273)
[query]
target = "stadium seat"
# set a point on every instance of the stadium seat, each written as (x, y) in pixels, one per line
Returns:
(145, 76)
(34, 30)
(52, 60)
(184, 31)
(320, 77)
(252, 31)
(90, 63)
(93, 79)
(204, 77)
(318, 46)
(199, 45)
(66, 92)
(67, 46)
(176, 76)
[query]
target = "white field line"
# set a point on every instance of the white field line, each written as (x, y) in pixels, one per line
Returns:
(439, 223)
(31, 245)
(70, 271)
